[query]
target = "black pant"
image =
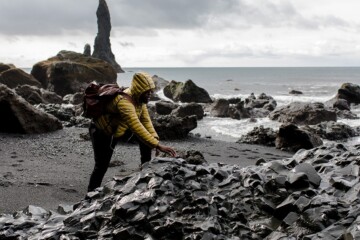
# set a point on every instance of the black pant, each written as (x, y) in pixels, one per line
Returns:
(103, 146)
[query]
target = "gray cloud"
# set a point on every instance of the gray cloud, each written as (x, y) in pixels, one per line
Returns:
(44, 17)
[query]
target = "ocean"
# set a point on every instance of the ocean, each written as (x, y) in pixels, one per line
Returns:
(318, 84)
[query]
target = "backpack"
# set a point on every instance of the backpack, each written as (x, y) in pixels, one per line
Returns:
(97, 96)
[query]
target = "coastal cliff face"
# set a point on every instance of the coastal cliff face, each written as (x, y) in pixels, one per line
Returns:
(102, 46)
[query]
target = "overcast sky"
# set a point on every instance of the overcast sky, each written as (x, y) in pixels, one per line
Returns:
(187, 33)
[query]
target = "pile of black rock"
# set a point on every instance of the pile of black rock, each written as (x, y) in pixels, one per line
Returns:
(313, 195)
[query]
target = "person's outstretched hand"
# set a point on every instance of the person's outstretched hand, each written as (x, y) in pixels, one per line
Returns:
(167, 150)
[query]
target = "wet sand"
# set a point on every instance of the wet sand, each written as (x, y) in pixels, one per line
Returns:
(50, 169)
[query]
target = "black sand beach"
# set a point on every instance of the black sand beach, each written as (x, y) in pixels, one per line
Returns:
(50, 169)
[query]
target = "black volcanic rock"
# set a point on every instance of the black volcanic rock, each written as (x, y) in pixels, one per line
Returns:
(102, 46)
(313, 195)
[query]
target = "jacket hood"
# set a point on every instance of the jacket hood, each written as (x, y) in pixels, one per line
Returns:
(141, 83)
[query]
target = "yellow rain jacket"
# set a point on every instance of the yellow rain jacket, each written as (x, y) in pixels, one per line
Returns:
(125, 115)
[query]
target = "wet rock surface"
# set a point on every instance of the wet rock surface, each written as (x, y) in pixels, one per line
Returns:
(312, 195)
(303, 113)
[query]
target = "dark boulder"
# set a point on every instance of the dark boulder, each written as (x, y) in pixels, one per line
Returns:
(189, 109)
(220, 108)
(14, 77)
(259, 135)
(19, 116)
(238, 111)
(341, 104)
(102, 46)
(165, 107)
(30, 93)
(35, 95)
(69, 115)
(349, 92)
(291, 138)
(171, 127)
(70, 72)
(303, 113)
(332, 130)
(186, 92)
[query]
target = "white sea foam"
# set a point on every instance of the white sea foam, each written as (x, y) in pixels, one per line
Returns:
(227, 129)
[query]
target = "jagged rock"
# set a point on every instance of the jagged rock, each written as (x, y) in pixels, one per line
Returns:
(165, 107)
(189, 109)
(70, 72)
(173, 199)
(253, 107)
(220, 108)
(50, 97)
(66, 113)
(19, 116)
(102, 46)
(171, 127)
(262, 101)
(331, 130)
(75, 99)
(350, 92)
(345, 114)
(35, 95)
(160, 83)
(303, 113)
(186, 92)
(87, 50)
(14, 77)
(259, 135)
(291, 138)
(239, 111)
(30, 93)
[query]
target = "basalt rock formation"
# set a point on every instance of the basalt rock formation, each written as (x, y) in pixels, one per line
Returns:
(102, 46)
(313, 195)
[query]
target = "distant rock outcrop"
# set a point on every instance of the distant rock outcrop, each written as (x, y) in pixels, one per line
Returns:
(102, 46)
(19, 116)
(87, 50)
(70, 72)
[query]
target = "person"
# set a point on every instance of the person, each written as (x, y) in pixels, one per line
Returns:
(125, 113)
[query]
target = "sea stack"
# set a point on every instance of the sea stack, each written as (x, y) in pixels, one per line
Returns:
(102, 46)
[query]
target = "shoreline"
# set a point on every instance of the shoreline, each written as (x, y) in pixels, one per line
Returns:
(50, 169)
